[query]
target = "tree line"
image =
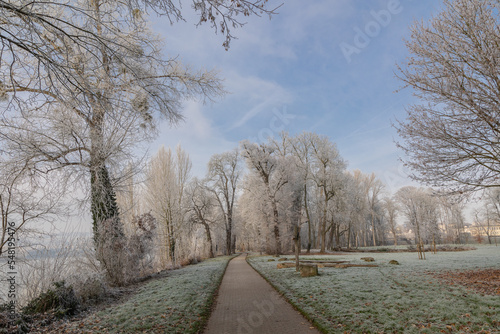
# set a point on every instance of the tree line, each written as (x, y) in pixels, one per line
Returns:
(289, 193)
(84, 82)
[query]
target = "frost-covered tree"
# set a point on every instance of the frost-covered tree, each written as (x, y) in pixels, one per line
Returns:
(257, 214)
(487, 218)
(374, 188)
(25, 200)
(419, 207)
(451, 218)
(83, 82)
(451, 136)
(167, 176)
(327, 170)
(273, 173)
(202, 209)
(391, 211)
(36, 35)
(301, 150)
(224, 173)
(91, 131)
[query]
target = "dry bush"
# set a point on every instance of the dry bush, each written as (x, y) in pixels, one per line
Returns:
(111, 252)
(60, 299)
(44, 265)
(141, 244)
(127, 259)
(90, 289)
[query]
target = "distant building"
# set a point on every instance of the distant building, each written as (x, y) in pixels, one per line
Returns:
(484, 231)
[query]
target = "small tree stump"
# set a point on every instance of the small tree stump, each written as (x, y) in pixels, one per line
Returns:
(394, 262)
(308, 270)
(368, 259)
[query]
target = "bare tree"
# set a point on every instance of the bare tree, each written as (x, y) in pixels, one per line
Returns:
(257, 212)
(373, 189)
(84, 82)
(391, 212)
(224, 173)
(92, 131)
(25, 200)
(419, 207)
(273, 174)
(40, 32)
(451, 137)
(202, 209)
(303, 153)
(488, 218)
(166, 179)
(327, 168)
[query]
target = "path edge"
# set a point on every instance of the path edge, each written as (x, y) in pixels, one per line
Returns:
(210, 306)
(311, 320)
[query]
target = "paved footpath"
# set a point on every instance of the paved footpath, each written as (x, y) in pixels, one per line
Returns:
(247, 304)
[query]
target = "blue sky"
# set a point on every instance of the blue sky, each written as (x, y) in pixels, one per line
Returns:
(291, 73)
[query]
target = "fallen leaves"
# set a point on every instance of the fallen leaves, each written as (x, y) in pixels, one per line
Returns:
(484, 281)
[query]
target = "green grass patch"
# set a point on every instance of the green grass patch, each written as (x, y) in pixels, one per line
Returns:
(390, 298)
(178, 303)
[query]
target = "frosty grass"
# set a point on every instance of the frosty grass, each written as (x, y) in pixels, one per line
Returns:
(391, 298)
(179, 303)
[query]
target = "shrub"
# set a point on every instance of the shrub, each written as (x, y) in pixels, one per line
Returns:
(61, 299)
(126, 259)
(90, 290)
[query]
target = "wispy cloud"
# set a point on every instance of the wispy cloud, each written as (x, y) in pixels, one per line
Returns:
(260, 94)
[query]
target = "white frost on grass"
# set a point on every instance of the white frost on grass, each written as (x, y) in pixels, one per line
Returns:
(175, 304)
(391, 298)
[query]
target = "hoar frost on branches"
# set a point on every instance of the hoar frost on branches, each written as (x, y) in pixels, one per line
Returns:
(451, 138)
(83, 82)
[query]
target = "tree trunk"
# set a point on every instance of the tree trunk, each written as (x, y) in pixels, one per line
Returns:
(349, 236)
(395, 236)
(420, 243)
(228, 235)
(103, 199)
(209, 240)
(373, 228)
(337, 237)
(296, 239)
(364, 235)
(331, 237)
(276, 226)
(309, 232)
(322, 228)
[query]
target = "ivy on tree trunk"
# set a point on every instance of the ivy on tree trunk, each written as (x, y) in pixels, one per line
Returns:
(103, 200)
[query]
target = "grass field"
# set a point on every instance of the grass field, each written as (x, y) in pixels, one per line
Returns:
(405, 298)
(178, 303)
